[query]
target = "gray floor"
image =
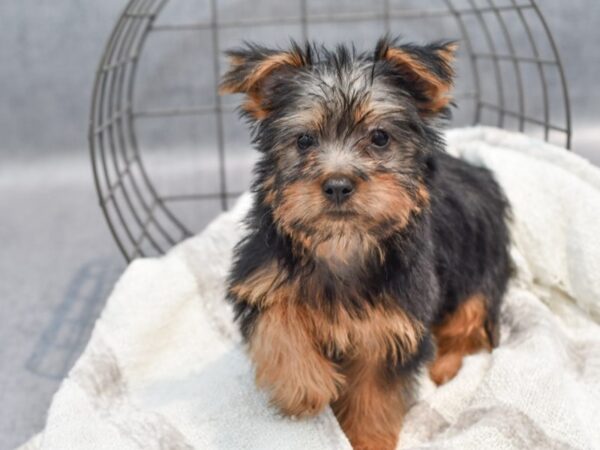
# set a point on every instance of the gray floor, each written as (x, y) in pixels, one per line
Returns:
(58, 265)
(55, 278)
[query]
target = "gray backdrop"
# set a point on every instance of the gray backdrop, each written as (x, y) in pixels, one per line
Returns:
(57, 260)
(49, 52)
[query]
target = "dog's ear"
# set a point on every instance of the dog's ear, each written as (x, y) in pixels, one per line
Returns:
(254, 70)
(425, 71)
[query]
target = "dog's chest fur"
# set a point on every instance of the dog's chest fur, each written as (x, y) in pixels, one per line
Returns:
(335, 311)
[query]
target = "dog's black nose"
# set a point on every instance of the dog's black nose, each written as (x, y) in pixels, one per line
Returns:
(338, 189)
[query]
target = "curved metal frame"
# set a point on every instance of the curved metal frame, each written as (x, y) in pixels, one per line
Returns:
(140, 219)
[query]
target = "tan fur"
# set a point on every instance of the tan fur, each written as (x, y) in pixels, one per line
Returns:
(268, 187)
(370, 409)
(346, 249)
(251, 85)
(300, 380)
(263, 287)
(270, 64)
(448, 53)
(436, 89)
(300, 201)
(423, 198)
(460, 334)
(381, 334)
(253, 105)
(381, 200)
(292, 342)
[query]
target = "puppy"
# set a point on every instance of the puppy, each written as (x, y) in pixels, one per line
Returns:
(371, 253)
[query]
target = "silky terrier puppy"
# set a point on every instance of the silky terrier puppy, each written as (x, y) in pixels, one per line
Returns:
(371, 253)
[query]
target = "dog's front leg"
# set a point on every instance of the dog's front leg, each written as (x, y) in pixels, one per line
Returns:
(299, 378)
(371, 406)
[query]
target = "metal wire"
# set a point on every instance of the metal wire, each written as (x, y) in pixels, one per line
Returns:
(141, 217)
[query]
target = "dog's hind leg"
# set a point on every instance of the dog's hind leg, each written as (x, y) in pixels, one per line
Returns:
(465, 331)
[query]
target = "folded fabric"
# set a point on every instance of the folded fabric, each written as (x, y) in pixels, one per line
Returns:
(165, 367)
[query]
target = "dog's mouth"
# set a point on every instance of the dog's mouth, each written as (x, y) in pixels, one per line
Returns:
(340, 214)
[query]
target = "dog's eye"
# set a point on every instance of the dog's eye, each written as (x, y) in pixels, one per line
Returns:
(305, 141)
(379, 138)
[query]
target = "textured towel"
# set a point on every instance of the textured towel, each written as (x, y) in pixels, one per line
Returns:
(165, 368)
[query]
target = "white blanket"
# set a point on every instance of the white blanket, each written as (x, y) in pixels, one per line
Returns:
(165, 368)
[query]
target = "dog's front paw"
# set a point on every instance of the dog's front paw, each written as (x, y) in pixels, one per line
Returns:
(301, 381)
(304, 389)
(301, 402)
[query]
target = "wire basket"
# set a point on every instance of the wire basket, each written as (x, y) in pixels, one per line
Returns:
(168, 153)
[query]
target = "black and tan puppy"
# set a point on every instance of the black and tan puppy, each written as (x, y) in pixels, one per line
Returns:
(369, 247)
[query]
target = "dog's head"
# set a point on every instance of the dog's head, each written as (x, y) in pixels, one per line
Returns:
(346, 136)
